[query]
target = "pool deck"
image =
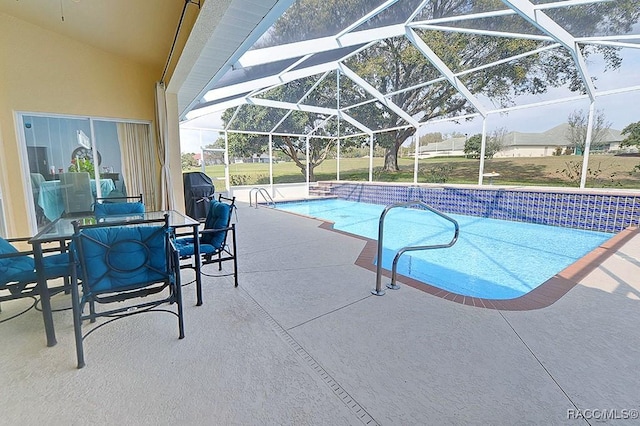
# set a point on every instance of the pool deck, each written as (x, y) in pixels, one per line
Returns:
(302, 341)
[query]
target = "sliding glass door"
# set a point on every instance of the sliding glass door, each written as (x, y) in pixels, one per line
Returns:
(71, 162)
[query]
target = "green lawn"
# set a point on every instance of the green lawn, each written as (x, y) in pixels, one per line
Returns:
(605, 171)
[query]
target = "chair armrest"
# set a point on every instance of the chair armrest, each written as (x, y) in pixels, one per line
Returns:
(210, 231)
(18, 239)
(16, 254)
(183, 233)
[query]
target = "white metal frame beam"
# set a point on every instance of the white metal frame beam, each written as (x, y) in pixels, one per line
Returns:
(542, 21)
(379, 96)
(445, 70)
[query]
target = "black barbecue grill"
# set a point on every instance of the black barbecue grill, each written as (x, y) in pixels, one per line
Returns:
(198, 193)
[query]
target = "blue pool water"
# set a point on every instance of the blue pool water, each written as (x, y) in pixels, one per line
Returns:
(493, 259)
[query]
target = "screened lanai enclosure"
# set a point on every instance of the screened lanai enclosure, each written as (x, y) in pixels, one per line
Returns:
(398, 81)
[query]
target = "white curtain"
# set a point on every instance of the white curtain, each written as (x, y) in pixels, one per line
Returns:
(139, 163)
(167, 200)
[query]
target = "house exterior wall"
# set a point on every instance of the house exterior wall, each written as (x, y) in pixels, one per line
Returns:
(45, 72)
(526, 151)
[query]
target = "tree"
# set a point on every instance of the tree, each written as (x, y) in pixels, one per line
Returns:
(393, 64)
(495, 142)
(188, 160)
(428, 138)
(473, 145)
(632, 131)
(577, 132)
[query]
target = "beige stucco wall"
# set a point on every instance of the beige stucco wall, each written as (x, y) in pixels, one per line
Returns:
(526, 151)
(41, 71)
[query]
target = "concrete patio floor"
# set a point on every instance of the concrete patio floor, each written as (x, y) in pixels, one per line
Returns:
(303, 342)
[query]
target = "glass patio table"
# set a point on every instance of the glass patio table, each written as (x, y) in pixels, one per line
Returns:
(61, 230)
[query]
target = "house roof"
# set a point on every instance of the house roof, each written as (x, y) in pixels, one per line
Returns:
(556, 136)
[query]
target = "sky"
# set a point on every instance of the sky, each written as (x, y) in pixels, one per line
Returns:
(620, 110)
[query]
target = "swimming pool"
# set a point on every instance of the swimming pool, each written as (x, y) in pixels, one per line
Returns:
(492, 259)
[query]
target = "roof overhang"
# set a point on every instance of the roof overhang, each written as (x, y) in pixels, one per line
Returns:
(223, 31)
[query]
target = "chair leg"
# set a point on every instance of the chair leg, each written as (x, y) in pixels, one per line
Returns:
(77, 324)
(235, 257)
(92, 311)
(178, 297)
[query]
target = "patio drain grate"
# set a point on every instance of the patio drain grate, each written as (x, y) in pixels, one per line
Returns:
(349, 401)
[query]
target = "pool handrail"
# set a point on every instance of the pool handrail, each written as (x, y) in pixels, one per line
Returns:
(392, 285)
(265, 195)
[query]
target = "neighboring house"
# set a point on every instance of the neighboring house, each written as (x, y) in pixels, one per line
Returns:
(520, 144)
(453, 147)
(262, 158)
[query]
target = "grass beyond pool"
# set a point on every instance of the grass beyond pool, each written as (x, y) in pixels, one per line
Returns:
(492, 259)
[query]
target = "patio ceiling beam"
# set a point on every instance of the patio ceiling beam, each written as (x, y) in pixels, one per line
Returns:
(459, 74)
(355, 123)
(291, 106)
(245, 87)
(379, 96)
(614, 44)
(212, 107)
(346, 39)
(366, 17)
(276, 79)
(303, 97)
(544, 23)
(318, 45)
(309, 108)
(268, 81)
(445, 70)
(609, 38)
(476, 31)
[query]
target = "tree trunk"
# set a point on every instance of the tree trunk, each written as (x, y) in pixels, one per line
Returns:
(391, 159)
(312, 176)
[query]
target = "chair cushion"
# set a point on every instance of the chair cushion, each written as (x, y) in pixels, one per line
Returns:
(186, 248)
(123, 257)
(16, 268)
(218, 217)
(107, 209)
(56, 265)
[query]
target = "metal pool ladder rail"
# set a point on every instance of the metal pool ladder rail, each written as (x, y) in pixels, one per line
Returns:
(392, 285)
(265, 195)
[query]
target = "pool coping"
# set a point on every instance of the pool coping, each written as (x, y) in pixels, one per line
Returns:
(542, 296)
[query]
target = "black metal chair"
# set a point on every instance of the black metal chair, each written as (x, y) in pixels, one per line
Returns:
(18, 277)
(128, 263)
(214, 245)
